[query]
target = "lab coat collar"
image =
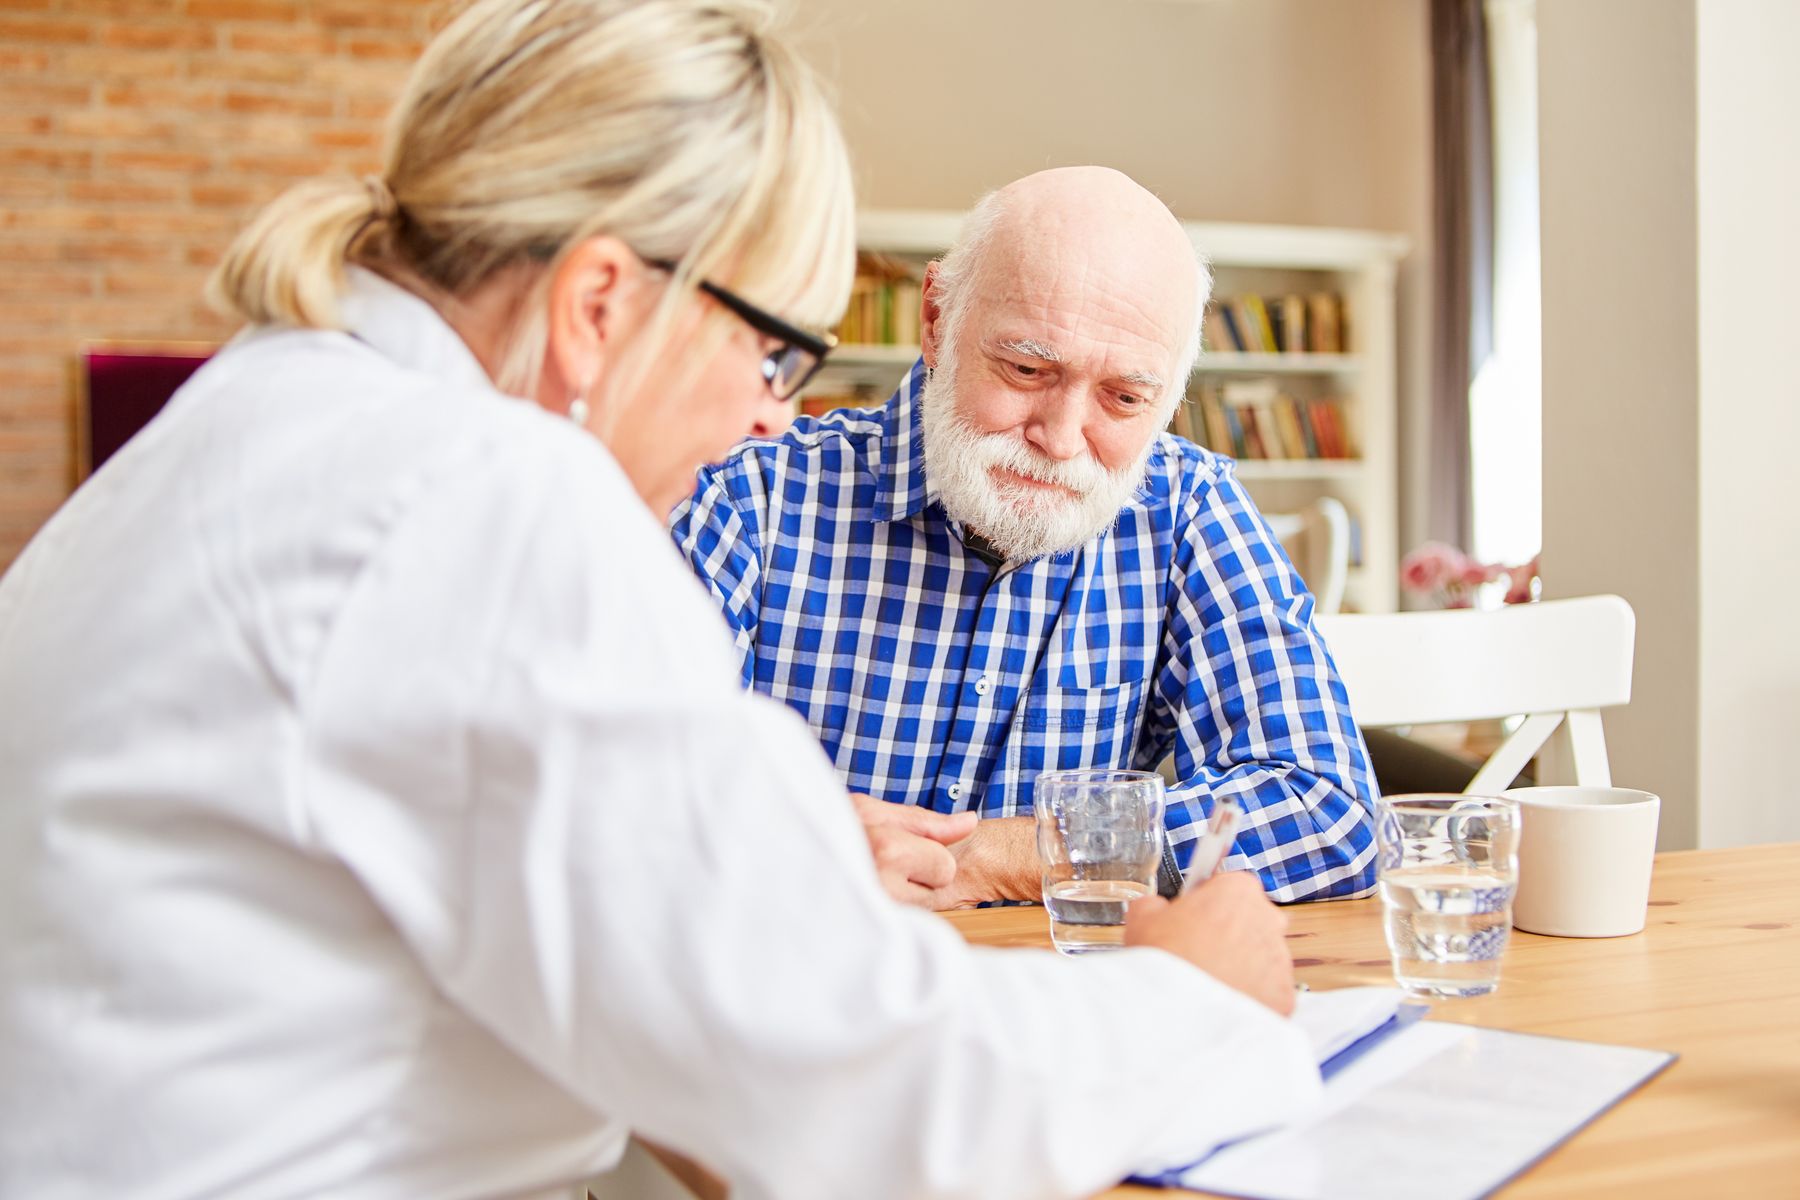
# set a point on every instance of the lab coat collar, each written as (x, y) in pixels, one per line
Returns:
(406, 329)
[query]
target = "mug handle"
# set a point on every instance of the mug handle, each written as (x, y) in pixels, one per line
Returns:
(1456, 827)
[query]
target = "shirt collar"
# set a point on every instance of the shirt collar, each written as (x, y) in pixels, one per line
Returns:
(406, 329)
(902, 487)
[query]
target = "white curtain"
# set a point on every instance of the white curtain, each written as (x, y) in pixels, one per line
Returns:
(1505, 401)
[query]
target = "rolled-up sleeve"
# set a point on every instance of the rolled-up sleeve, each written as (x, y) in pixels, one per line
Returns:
(1247, 695)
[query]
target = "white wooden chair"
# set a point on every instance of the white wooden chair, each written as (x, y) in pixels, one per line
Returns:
(1317, 540)
(1557, 663)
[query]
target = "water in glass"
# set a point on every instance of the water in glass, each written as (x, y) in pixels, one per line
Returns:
(1089, 914)
(1446, 928)
(1449, 866)
(1099, 840)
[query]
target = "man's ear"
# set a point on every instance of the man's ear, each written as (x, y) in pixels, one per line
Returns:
(588, 314)
(930, 317)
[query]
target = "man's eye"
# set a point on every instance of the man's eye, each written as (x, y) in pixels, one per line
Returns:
(1127, 400)
(1025, 372)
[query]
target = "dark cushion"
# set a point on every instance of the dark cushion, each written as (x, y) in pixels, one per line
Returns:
(1404, 765)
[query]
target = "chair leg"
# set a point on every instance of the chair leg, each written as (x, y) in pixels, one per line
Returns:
(1504, 766)
(1577, 754)
(1586, 742)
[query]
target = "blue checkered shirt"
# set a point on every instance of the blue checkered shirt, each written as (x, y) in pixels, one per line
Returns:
(934, 679)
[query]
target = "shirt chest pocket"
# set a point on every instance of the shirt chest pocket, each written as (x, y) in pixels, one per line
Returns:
(1089, 697)
(1075, 709)
(1064, 728)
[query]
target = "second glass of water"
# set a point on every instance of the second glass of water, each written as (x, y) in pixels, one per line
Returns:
(1099, 837)
(1449, 866)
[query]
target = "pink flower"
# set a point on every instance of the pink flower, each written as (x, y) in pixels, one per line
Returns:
(1455, 580)
(1474, 574)
(1519, 581)
(1432, 566)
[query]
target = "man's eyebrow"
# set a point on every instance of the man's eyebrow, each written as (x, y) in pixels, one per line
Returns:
(1143, 379)
(1030, 348)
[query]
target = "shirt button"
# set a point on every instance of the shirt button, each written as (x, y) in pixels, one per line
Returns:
(984, 685)
(955, 791)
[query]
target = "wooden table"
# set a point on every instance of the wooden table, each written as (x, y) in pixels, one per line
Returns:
(1715, 977)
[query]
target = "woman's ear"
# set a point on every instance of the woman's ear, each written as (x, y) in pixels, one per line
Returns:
(591, 304)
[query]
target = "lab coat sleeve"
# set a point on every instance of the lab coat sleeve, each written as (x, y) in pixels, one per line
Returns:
(529, 746)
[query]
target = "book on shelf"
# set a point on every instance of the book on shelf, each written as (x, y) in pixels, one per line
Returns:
(1254, 419)
(1350, 423)
(1288, 324)
(884, 303)
(1326, 324)
(1256, 319)
(1222, 332)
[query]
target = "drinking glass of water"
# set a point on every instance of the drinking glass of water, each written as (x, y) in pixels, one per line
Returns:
(1099, 837)
(1449, 865)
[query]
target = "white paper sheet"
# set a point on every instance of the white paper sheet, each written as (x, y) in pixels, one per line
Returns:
(1435, 1112)
(1334, 1020)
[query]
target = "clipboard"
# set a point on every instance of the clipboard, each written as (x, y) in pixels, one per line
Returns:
(1431, 1111)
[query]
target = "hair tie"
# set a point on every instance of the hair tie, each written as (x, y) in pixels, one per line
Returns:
(382, 205)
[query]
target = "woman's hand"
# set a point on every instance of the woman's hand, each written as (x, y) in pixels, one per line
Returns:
(1228, 928)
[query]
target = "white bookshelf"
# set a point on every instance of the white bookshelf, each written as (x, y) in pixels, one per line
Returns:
(1234, 362)
(1265, 259)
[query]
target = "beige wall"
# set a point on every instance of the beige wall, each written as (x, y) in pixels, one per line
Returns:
(1298, 112)
(1749, 428)
(1670, 180)
(1621, 369)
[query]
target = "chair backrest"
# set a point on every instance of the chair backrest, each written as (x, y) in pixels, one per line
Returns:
(1557, 663)
(1317, 540)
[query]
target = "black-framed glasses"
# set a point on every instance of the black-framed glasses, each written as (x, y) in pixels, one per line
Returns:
(791, 365)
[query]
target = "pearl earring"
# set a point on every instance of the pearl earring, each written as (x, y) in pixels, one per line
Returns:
(578, 405)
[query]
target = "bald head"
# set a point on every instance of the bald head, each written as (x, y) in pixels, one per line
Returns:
(1086, 246)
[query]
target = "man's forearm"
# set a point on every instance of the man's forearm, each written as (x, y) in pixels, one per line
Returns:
(999, 862)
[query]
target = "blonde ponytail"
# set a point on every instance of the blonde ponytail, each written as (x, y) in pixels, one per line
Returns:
(682, 127)
(287, 268)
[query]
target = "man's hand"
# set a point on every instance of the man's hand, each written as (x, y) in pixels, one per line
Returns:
(911, 847)
(1228, 928)
(998, 861)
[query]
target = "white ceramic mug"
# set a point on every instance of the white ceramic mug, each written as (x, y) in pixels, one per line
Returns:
(1584, 860)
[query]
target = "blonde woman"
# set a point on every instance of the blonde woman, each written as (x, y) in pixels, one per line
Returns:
(379, 812)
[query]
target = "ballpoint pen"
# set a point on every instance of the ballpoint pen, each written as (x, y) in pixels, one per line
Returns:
(1214, 844)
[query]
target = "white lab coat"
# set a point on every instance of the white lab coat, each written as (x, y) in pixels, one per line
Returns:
(380, 816)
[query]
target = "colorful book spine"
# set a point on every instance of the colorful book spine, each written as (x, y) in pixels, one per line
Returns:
(1287, 324)
(884, 303)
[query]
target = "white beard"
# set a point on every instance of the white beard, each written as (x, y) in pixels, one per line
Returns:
(1021, 521)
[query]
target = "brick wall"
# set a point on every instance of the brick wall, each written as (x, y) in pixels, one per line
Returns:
(136, 137)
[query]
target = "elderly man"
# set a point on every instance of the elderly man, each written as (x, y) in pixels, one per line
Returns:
(1011, 568)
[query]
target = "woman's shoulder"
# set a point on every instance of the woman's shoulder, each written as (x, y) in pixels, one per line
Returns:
(325, 402)
(358, 478)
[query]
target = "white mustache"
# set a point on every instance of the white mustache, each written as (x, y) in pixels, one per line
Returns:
(1011, 452)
